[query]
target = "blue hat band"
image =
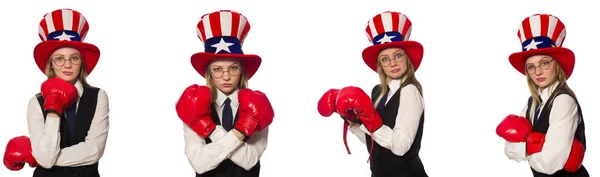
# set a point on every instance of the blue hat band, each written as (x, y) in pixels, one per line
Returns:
(64, 35)
(392, 36)
(223, 45)
(538, 42)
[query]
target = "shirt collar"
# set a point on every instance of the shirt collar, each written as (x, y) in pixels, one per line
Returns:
(221, 97)
(546, 92)
(394, 84)
(79, 87)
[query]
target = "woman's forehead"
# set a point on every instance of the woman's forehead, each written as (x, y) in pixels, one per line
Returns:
(224, 62)
(536, 58)
(66, 51)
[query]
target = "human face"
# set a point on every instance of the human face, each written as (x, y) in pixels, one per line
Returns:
(541, 69)
(393, 61)
(66, 63)
(225, 74)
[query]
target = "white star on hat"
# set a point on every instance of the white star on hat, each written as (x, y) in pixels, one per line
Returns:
(64, 37)
(222, 45)
(385, 39)
(532, 45)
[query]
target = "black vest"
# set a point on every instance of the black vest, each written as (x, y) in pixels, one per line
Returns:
(228, 168)
(85, 113)
(542, 124)
(384, 163)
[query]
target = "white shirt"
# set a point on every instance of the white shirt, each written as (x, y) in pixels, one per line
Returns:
(225, 145)
(559, 137)
(401, 137)
(45, 136)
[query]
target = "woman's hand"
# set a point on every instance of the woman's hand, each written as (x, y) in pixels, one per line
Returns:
(350, 123)
(52, 114)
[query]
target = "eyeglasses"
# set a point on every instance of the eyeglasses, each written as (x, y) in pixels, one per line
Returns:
(218, 72)
(544, 65)
(386, 61)
(60, 61)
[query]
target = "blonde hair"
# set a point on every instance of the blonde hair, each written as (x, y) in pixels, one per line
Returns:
(410, 78)
(82, 72)
(242, 83)
(561, 78)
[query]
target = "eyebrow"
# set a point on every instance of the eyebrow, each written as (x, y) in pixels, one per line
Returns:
(539, 60)
(234, 64)
(399, 50)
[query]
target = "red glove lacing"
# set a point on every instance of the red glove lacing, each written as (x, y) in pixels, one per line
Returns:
(346, 142)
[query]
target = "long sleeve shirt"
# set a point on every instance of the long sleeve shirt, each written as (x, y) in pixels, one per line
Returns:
(400, 138)
(45, 136)
(225, 145)
(563, 121)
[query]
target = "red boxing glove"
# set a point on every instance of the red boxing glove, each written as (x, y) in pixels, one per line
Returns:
(58, 95)
(514, 128)
(269, 112)
(252, 111)
(326, 105)
(18, 152)
(535, 143)
(354, 100)
(193, 108)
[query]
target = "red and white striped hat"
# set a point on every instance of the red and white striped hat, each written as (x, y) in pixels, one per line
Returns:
(391, 29)
(64, 28)
(223, 33)
(543, 34)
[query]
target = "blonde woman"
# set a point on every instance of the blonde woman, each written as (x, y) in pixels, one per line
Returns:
(225, 123)
(390, 122)
(550, 132)
(68, 119)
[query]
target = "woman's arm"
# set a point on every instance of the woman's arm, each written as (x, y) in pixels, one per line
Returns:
(249, 153)
(516, 151)
(400, 139)
(559, 137)
(44, 136)
(355, 129)
(91, 150)
(205, 157)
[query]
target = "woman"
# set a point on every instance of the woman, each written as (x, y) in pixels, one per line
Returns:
(549, 132)
(225, 123)
(68, 119)
(390, 123)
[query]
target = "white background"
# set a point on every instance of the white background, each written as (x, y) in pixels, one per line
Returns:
(307, 47)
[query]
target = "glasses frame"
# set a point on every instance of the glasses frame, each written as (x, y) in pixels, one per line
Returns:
(65, 61)
(222, 72)
(535, 67)
(394, 58)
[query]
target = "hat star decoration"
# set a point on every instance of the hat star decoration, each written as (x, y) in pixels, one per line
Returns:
(223, 33)
(543, 34)
(391, 29)
(64, 28)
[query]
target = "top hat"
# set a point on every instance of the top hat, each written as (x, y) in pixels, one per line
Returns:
(64, 28)
(543, 34)
(223, 33)
(391, 29)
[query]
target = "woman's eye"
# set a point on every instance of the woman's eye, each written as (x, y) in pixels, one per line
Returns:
(216, 69)
(233, 68)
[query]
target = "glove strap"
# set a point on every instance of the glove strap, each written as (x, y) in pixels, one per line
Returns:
(344, 136)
